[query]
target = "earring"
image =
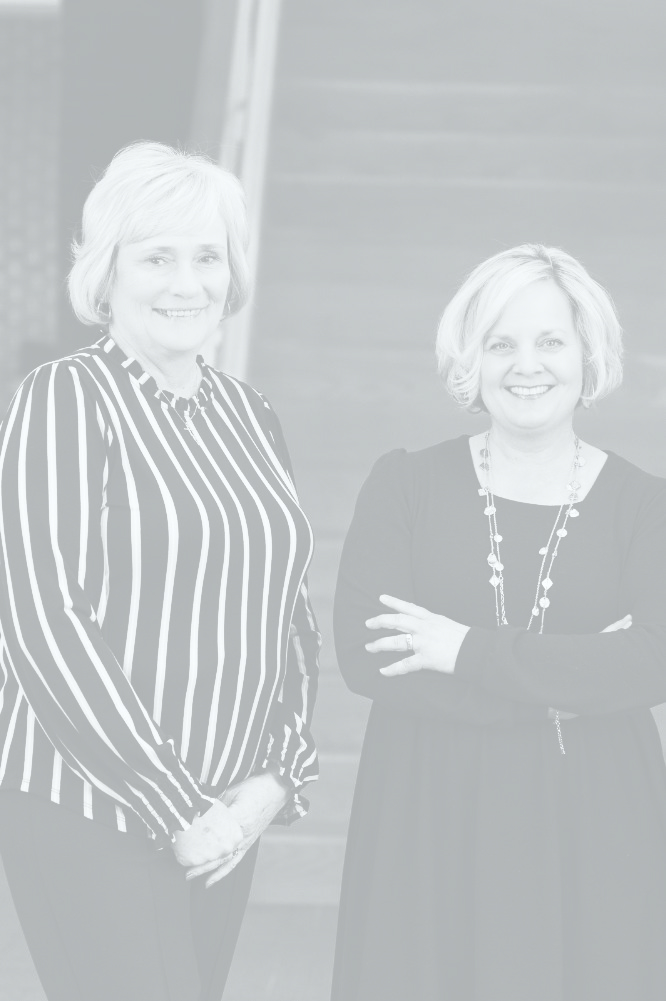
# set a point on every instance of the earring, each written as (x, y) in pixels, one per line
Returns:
(104, 312)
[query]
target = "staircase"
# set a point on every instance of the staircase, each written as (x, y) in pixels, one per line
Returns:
(410, 141)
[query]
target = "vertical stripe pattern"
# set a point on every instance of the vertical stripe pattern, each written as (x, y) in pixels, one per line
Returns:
(156, 637)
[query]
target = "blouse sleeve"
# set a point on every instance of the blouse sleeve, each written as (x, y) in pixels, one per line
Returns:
(291, 752)
(377, 559)
(52, 474)
(593, 673)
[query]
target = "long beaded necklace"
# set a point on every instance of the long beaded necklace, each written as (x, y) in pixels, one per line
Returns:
(548, 552)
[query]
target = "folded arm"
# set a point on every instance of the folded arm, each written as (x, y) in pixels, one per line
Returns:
(376, 560)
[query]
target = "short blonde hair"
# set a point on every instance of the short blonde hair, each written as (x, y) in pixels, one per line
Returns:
(481, 299)
(149, 188)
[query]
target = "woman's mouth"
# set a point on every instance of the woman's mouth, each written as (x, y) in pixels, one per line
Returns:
(528, 392)
(180, 314)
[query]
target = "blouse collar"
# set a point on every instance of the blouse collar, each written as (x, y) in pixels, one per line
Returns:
(147, 383)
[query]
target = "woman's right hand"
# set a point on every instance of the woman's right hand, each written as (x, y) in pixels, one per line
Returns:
(214, 835)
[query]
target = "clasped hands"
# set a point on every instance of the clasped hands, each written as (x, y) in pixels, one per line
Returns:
(217, 840)
(432, 640)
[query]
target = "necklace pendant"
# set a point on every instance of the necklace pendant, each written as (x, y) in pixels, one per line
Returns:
(536, 613)
(573, 513)
(543, 551)
(490, 509)
(192, 430)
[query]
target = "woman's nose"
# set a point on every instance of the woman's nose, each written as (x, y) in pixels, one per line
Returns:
(185, 280)
(528, 360)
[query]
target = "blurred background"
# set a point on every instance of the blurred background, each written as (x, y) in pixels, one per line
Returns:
(387, 147)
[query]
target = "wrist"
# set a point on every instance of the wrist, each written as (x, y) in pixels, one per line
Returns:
(460, 637)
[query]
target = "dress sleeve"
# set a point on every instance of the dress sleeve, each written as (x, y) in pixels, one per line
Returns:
(593, 673)
(291, 752)
(53, 465)
(377, 559)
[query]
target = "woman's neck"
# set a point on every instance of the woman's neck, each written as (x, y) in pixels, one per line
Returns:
(176, 373)
(531, 468)
(543, 449)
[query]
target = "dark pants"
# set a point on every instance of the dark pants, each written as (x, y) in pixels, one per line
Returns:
(107, 917)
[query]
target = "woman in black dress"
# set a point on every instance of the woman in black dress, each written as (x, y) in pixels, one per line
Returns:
(508, 835)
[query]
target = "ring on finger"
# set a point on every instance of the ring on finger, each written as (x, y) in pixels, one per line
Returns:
(410, 642)
(230, 857)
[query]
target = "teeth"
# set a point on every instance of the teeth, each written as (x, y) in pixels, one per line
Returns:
(528, 390)
(171, 313)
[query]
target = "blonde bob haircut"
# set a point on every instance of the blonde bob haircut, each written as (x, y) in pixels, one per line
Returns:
(149, 188)
(481, 299)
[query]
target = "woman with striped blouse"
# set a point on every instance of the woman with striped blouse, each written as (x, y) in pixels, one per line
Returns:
(158, 650)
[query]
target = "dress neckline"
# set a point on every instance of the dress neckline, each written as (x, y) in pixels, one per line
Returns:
(147, 383)
(465, 439)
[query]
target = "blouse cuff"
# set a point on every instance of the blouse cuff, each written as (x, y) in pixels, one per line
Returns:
(186, 798)
(474, 654)
(297, 805)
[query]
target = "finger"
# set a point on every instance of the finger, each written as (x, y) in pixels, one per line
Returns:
(406, 666)
(624, 623)
(406, 623)
(200, 870)
(402, 642)
(204, 867)
(404, 606)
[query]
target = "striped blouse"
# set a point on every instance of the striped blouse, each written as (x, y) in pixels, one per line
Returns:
(157, 642)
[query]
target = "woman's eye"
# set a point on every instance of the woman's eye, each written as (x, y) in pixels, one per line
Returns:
(210, 259)
(498, 346)
(157, 260)
(553, 342)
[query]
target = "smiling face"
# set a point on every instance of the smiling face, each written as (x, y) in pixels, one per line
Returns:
(169, 292)
(532, 366)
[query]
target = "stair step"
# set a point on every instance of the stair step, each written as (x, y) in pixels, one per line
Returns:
(401, 212)
(313, 106)
(298, 870)
(579, 44)
(465, 157)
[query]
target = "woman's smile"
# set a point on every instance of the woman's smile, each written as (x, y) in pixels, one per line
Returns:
(179, 314)
(529, 392)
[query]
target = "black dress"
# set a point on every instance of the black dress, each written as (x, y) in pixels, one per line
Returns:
(482, 863)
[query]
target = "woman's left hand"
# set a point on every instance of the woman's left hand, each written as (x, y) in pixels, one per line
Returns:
(433, 639)
(254, 802)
